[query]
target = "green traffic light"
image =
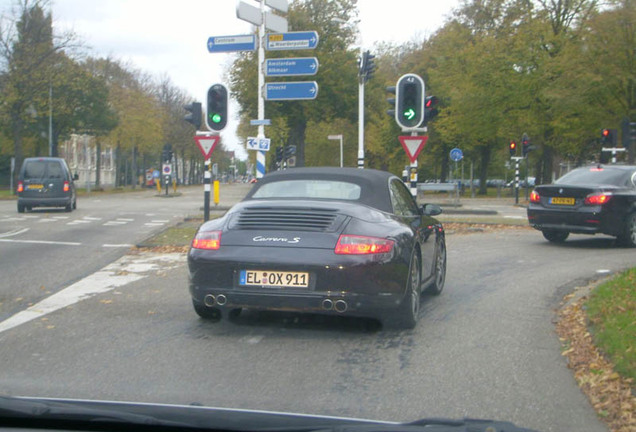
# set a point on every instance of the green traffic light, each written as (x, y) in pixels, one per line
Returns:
(216, 118)
(409, 113)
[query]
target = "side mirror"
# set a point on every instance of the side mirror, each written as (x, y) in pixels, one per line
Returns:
(431, 210)
(76, 176)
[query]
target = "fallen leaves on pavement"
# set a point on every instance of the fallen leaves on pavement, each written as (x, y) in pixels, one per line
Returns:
(608, 392)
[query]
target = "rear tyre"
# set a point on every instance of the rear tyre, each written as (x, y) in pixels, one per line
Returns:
(440, 269)
(555, 236)
(628, 238)
(207, 313)
(21, 208)
(68, 208)
(75, 204)
(407, 314)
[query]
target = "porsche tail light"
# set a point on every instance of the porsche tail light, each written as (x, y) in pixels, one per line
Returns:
(362, 245)
(597, 199)
(20, 187)
(66, 186)
(535, 197)
(209, 240)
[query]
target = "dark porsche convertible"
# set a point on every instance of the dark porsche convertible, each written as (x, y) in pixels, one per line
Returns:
(321, 240)
(589, 200)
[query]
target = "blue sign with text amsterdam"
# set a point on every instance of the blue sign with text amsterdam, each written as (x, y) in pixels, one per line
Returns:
(298, 90)
(232, 43)
(291, 41)
(291, 66)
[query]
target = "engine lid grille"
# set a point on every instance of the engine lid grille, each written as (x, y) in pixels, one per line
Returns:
(287, 218)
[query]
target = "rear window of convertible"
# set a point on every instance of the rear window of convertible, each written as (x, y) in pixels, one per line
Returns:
(319, 189)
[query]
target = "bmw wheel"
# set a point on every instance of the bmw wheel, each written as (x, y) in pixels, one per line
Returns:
(555, 236)
(629, 232)
(440, 269)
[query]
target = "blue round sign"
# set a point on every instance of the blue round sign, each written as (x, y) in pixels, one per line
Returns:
(156, 174)
(456, 154)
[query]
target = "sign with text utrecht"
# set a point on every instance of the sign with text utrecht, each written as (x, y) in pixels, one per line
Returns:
(299, 90)
(291, 41)
(291, 66)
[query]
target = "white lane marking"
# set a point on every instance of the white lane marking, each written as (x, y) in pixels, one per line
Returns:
(78, 222)
(125, 220)
(61, 217)
(251, 340)
(160, 221)
(115, 223)
(59, 243)
(514, 217)
(15, 232)
(127, 269)
(122, 245)
(13, 219)
(47, 220)
(89, 218)
(152, 224)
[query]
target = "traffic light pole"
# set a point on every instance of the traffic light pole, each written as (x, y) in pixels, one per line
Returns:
(207, 175)
(517, 159)
(361, 119)
(260, 155)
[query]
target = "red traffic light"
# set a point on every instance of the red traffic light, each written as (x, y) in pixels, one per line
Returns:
(513, 145)
(606, 132)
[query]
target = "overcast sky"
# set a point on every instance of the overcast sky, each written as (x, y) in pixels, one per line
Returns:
(166, 37)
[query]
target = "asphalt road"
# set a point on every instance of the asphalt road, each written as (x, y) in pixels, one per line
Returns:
(485, 348)
(46, 250)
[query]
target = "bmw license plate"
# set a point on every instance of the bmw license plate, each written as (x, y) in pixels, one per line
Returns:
(562, 201)
(276, 279)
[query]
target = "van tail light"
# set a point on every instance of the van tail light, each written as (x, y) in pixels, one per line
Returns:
(20, 187)
(208, 240)
(535, 197)
(597, 199)
(362, 245)
(67, 187)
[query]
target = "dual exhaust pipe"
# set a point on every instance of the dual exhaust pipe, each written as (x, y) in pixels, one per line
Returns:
(210, 300)
(339, 306)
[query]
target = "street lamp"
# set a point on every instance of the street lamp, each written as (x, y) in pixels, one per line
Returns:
(337, 137)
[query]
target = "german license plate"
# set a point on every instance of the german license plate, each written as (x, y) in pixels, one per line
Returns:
(35, 186)
(562, 201)
(277, 279)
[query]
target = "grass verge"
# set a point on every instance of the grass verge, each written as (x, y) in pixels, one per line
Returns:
(612, 313)
(176, 238)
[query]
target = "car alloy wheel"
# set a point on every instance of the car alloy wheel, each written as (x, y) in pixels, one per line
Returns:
(406, 315)
(629, 236)
(440, 268)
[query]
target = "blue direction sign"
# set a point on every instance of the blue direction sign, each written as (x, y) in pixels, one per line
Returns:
(291, 41)
(232, 43)
(456, 154)
(291, 90)
(291, 66)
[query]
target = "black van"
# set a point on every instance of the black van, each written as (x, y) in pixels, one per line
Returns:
(46, 182)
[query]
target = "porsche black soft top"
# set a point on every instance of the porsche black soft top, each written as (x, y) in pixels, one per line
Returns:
(374, 184)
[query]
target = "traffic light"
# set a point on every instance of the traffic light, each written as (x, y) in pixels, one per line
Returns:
(391, 101)
(525, 145)
(410, 94)
(430, 108)
(217, 107)
(279, 153)
(195, 114)
(367, 66)
(606, 135)
(513, 148)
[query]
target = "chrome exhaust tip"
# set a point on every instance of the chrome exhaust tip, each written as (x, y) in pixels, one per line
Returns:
(209, 300)
(221, 299)
(340, 306)
(327, 304)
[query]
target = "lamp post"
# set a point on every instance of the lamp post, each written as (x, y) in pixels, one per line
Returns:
(338, 137)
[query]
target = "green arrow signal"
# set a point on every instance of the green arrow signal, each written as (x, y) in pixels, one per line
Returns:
(409, 113)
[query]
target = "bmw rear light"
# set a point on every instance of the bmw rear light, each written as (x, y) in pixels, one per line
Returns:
(597, 199)
(20, 187)
(208, 240)
(66, 186)
(362, 245)
(535, 197)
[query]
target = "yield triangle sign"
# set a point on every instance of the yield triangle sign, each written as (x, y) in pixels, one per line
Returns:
(413, 145)
(206, 144)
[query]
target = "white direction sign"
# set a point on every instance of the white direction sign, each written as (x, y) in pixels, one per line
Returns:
(279, 5)
(206, 144)
(261, 144)
(413, 145)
